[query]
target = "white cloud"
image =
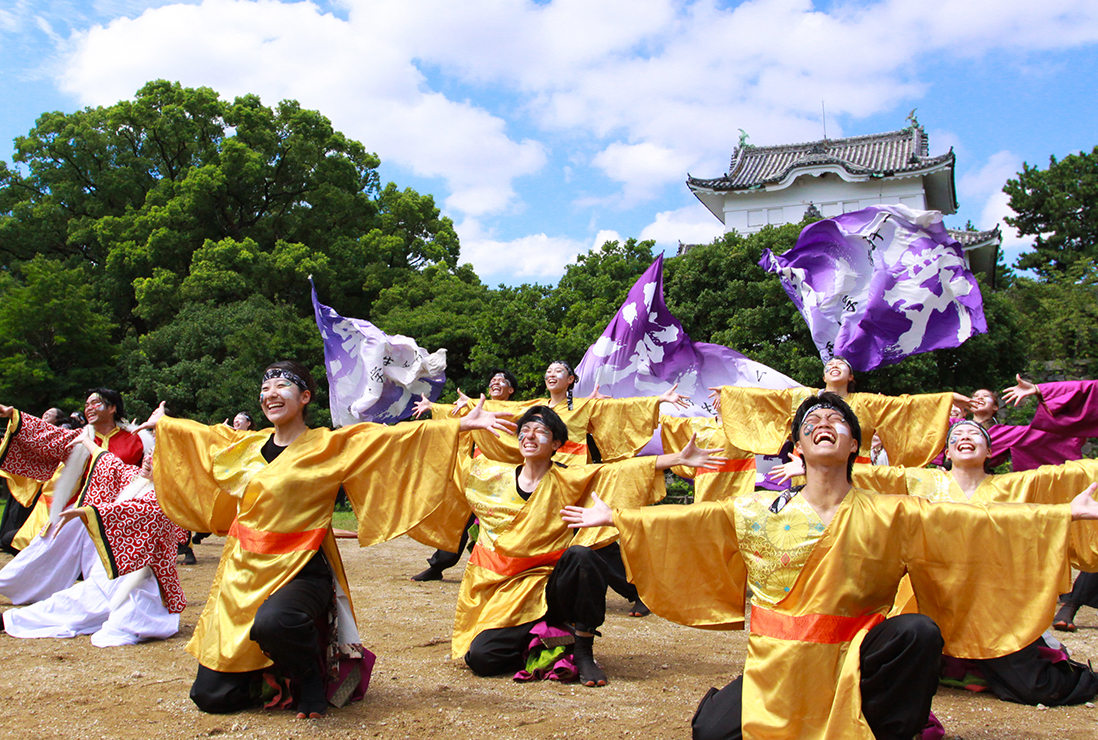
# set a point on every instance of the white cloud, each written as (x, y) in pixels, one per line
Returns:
(360, 78)
(986, 184)
(692, 224)
(537, 257)
(640, 91)
(606, 235)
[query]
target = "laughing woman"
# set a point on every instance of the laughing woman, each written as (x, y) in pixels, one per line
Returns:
(280, 575)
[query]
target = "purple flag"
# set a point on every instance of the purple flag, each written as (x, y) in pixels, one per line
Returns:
(373, 376)
(880, 284)
(644, 351)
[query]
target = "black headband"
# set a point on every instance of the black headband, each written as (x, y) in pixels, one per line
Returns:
(277, 372)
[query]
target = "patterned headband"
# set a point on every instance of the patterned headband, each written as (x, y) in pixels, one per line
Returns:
(277, 372)
(842, 360)
(969, 422)
(823, 405)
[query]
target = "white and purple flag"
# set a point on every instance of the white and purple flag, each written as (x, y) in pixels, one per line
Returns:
(880, 284)
(644, 351)
(374, 376)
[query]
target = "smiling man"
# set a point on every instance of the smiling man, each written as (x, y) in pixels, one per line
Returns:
(527, 578)
(45, 566)
(823, 562)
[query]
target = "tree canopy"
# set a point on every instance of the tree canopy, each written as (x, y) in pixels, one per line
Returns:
(163, 245)
(1059, 207)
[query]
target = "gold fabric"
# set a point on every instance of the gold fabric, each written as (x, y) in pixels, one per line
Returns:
(207, 476)
(912, 428)
(513, 528)
(737, 477)
(1048, 484)
(683, 561)
(23, 490)
(620, 426)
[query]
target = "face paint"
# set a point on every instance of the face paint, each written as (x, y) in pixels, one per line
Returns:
(539, 433)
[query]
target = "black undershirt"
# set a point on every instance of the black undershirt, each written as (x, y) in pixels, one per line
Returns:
(270, 450)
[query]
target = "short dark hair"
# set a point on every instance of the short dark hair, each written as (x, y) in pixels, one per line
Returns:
(112, 398)
(833, 400)
(549, 418)
(508, 376)
(300, 371)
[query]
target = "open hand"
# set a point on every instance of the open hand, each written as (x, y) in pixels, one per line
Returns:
(598, 515)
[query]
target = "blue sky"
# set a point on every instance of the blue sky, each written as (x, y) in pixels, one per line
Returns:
(544, 128)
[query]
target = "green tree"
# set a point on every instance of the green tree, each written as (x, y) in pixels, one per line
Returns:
(54, 339)
(439, 308)
(1059, 207)
(178, 205)
(588, 295)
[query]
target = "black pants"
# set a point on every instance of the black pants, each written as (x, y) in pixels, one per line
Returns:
(899, 665)
(1084, 592)
(616, 578)
(442, 560)
(1028, 677)
(576, 594)
(285, 627)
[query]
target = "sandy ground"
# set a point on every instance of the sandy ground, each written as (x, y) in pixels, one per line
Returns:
(659, 671)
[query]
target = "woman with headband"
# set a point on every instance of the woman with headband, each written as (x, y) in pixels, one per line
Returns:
(912, 428)
(271, 495)
(1027, 676)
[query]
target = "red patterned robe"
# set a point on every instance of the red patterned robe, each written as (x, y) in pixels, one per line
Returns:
(133, 533)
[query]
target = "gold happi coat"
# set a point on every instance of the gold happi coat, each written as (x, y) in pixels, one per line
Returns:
(276, 515)
(1048, 484)
(621, 427)
(734, 477)
(818, 589)
(521, 541)
(912, 428)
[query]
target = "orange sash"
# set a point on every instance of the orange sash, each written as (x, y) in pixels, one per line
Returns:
(825, 629)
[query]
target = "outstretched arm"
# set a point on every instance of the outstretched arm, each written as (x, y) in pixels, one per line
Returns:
(691, 456)
(157, 414)
(6, 412)
(599, 515)
(782, 473)
(1084, 506)
(492, 421)
(1018, 393)
(672, 396)
(963, 402)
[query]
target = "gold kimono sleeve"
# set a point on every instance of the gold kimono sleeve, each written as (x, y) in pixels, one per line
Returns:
(622, 426)
(183, 464)
(23, 490)
(1058, 484)
(399, 478)
(912, 428)
(627, 484)
(735, 477)
(685, 562)
(879, 478)
(989, 594)
(758, 419)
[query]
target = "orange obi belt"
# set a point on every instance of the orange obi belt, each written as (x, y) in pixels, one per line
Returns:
(509, 566)
(825, 629)
(731, 466)
(276, 543)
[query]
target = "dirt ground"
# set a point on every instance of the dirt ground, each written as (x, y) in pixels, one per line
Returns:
(659, 671)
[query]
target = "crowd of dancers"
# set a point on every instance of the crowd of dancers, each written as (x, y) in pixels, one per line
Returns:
(858, 602)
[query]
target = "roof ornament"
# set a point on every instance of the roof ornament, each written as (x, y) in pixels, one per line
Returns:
(912, 119)
(743, 140)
